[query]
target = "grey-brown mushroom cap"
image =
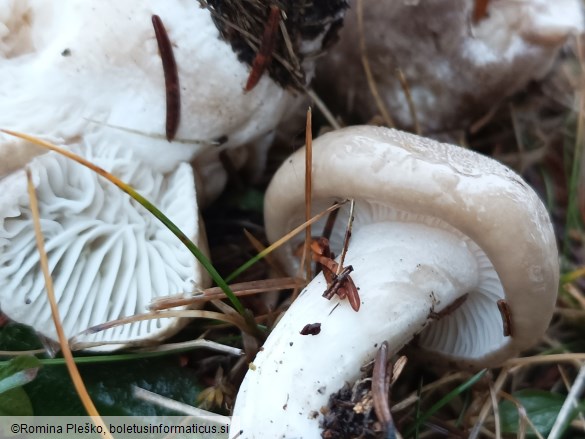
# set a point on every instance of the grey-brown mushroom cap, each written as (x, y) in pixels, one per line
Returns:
(479, 197)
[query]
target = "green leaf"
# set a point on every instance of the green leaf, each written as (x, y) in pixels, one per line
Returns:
(111, 388)
(542, 408)
(249, 200)
(17, 372)
(15, 402)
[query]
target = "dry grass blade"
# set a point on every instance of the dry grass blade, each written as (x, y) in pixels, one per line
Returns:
(308, 191)
(346, 237)
(411, 106)
(71, 366)
(414, 396)
(154, 135)
(169, 347)
(180, 407)
(494, 401)
(283, 240)
(187, 313)
(200, 343)
(575, 294)
(497, 386)
(398, 367)
(239, 289)
(323, 108)
(368, 70)
(522, 416)
(544, 359)
(258, 246)
(568, 405)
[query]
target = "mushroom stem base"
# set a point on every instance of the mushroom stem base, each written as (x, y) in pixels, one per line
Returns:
(405, 272)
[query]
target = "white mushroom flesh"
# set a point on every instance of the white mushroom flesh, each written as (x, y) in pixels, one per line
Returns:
(433, 223)
(108, 256)
(405, 271)
(93, 69)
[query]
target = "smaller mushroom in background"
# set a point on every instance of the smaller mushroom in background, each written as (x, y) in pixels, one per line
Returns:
(441, 236)
(456, 68)
(108, 256)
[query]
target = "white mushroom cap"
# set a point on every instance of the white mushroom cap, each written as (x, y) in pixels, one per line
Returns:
(433, 222)
(456, 70)
(108, 256)
(77, 63)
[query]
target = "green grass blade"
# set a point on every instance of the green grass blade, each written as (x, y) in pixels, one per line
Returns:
(444, 401)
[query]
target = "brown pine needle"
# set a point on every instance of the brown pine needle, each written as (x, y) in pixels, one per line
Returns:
(308, 192)
(71, 367)
(239, 289)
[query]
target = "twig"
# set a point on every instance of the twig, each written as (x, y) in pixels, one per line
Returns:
(381, 388)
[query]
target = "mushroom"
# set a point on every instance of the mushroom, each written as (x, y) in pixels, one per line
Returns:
(109, 257)
(93, 70)
(90, 76)
(433, 223)
(458, 60)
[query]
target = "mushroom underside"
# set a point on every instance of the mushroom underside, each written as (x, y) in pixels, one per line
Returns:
(108, 256)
